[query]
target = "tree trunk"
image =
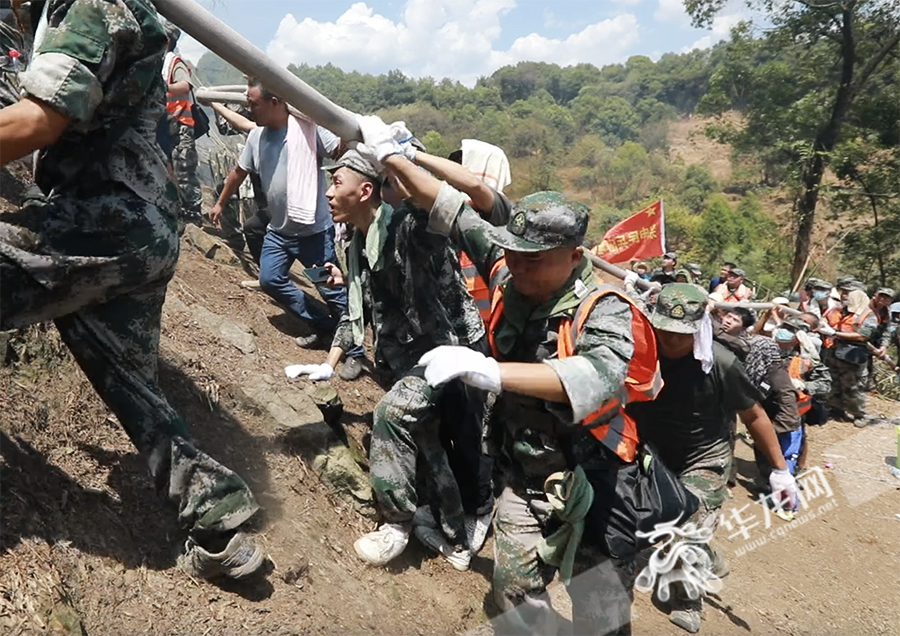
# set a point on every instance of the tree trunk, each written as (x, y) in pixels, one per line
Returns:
(826, 139)
(811, 177)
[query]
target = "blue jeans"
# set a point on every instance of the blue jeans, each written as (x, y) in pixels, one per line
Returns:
(791, 444)
(278, 254)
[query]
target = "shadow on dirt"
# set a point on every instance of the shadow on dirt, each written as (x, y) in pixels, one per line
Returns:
(126, 520)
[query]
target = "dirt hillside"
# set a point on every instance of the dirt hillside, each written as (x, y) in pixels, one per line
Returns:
(88, 548)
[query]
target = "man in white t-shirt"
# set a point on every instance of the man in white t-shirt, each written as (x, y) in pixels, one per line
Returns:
(286, 240)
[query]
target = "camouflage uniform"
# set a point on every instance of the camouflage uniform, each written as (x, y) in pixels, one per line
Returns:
(416, 301)
(185, 162)
(184, 149)
(848, 379)
(97, 254)
(690, 422)
(535, 435)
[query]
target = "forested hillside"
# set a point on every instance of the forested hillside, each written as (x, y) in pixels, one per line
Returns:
(604, 135)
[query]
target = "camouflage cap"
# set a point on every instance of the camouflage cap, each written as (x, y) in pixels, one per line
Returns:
(353, 160)
(542, 221)
(818, 283)
(679, 308)
(796, 323)
(671, 256)
(737, 271)
(683, 272)
(694, 269)
(885, 291)
(848, 283)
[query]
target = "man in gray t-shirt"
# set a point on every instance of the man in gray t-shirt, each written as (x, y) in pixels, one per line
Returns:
(286, 241)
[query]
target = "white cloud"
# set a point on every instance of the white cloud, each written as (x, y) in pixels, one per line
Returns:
(670, 11)
(441, 38)
(720, 30)
(628, 3)
(191, 49)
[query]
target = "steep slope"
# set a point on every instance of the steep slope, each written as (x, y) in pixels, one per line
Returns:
(87, 546)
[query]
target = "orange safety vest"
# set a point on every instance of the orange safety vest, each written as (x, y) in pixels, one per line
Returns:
(643, 380)
(738, 295)
(797, 368)
(848, 324)
(832, 317)
(476, 286)
(176, 105)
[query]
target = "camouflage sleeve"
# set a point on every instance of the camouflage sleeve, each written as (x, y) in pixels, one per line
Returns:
(597, 371)
(77, 55)
(181, 73)
(868, 326)
(818, 381)
(451, 216)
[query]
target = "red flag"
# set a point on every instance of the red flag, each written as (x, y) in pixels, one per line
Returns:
(641, 235)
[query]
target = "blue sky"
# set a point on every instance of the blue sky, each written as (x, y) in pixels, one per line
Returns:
(462, 39)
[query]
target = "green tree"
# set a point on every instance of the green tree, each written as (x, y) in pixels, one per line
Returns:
(718, 230)
(801, 90)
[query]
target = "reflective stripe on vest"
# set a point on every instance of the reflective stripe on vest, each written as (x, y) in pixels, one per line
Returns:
(476, 286)
(797, 368)
(643, 382)
(176, 105)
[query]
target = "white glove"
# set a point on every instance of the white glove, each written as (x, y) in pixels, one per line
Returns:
(799, 384)
(322, 371)
(784, 487)
(443, 364)
(378, 140)
(631, 278)
(826, 330)
(404, 137)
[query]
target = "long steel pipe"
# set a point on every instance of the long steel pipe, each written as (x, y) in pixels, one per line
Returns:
(618, 272)
(237, 51)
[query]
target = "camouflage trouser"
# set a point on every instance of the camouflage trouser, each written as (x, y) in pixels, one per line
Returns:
(232, 228)
(601, 588)
(848, 387)
(707, 479)
(107, 309)
(406, 425)
(230, 220)
(185, 162)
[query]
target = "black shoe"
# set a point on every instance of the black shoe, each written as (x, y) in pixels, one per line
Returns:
(351, 368)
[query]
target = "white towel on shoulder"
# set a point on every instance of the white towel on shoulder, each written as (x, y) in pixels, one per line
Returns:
(302, 171)
(486, 161)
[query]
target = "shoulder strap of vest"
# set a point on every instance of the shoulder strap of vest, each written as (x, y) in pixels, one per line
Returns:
(587, 306)
(499, 274)
(861, 318)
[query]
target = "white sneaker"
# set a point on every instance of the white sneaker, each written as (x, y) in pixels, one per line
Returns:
(477, 530)
(250, 284)
(383, 545)
(432, 538)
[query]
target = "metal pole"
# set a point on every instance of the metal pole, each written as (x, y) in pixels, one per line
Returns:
(618, 272)
(237, 51)
(205, 95)
(613, 270)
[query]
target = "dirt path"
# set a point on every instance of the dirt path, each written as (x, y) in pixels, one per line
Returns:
(86, 543)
